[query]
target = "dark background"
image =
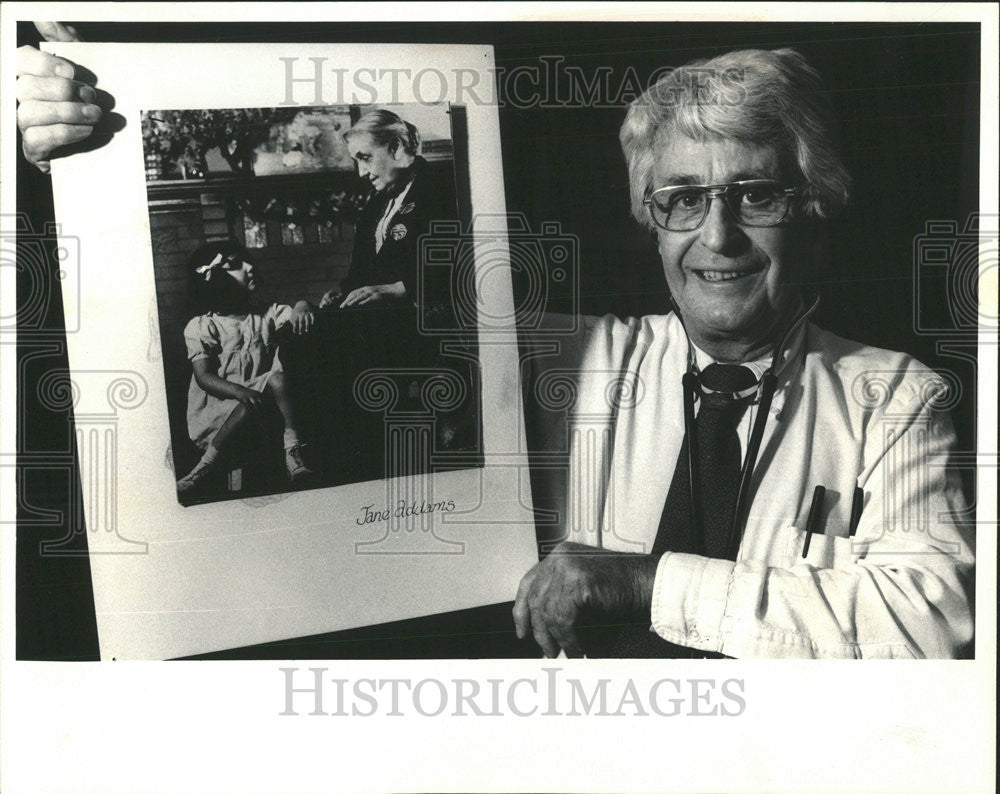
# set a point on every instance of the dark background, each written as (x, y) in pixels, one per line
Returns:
(907, 99)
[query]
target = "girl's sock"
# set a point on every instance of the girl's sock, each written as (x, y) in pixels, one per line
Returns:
(291, 438)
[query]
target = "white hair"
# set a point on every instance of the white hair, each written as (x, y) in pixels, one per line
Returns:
(760, 97)
(386, 127)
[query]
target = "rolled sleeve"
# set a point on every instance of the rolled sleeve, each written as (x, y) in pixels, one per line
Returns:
(690, 595)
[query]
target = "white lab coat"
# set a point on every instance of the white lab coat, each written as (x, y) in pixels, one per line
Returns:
(843, 413)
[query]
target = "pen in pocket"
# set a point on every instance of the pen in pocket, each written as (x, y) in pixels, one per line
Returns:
(857, 505)
(812, 522)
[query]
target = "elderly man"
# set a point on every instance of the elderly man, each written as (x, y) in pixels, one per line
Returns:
(742, 483)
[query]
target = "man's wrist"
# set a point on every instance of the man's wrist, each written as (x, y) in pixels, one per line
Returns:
(643, 576)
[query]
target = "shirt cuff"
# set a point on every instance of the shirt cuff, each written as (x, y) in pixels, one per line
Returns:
(690, 594)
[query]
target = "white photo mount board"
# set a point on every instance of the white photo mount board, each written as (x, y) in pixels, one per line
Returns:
(173, 581)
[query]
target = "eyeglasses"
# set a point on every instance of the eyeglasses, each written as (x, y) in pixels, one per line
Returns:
(753, 202)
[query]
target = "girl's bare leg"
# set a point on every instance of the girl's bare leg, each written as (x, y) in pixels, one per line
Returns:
(278, 387)
(238, 418)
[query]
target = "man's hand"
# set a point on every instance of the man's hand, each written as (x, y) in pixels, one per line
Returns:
(302, 317)
(376, 293)
(54, 109)
(579, 585)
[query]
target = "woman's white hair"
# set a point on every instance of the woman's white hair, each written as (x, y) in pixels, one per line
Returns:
(759, 97)
(386, 128)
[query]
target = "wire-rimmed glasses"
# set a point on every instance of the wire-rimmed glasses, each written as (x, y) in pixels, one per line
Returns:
(752, 202)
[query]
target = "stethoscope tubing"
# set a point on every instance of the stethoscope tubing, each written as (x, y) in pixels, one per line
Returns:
(766, 387)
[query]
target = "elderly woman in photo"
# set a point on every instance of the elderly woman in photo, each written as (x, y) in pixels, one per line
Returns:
(762, 487)
(373, 313)
(372, 318)
(405, 197)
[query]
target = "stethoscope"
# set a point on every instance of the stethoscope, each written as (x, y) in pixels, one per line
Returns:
(764, 392)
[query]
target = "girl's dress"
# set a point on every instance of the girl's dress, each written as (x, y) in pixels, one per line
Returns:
(245, 348)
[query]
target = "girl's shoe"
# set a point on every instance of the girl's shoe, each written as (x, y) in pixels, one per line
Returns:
(194, 478)
(297, 468)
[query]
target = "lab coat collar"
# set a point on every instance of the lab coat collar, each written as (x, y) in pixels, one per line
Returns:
(786, 370)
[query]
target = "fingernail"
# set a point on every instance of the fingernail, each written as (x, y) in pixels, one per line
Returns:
(64, 70)
(91, 112)
(87, 94)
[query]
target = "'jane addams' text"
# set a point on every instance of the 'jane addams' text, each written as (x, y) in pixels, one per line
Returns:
(369, 515)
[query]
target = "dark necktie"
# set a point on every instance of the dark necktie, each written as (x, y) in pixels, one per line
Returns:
(718, 464)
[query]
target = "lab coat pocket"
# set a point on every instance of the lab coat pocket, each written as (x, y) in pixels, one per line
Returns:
(825, 551)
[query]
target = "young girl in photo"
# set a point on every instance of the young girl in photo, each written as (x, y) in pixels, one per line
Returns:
(232, 347)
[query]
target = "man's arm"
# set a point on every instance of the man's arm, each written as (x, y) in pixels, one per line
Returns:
(908, 596)
(901, 587)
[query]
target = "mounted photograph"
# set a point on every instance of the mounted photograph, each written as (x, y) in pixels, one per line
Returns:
(289, 248)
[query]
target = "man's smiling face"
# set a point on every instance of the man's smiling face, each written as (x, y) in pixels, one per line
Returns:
(733, 284)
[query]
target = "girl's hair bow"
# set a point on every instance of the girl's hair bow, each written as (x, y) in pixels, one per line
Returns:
(207, 270)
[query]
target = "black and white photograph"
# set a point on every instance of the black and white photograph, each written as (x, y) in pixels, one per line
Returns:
(502, 396)
(285, 248)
